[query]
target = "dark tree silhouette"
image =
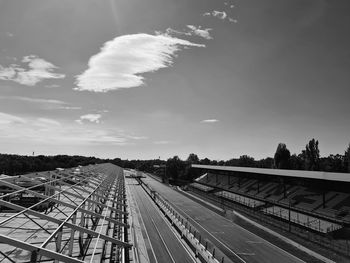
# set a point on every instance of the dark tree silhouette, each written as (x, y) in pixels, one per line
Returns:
(282, 157)
(347, 159)
(246, 161)
(192, 158)
(312, 156)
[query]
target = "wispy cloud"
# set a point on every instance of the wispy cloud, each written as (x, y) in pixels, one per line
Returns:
(162, 142)
(121, 61)
(189, 31)
(171, 32)
(210, 121)
(221, 15)
(232, 20)
(52, 86)
(200, 32)
(37, 70)
(9, 119)
(47, 104)
(46, 131)
(89, 117)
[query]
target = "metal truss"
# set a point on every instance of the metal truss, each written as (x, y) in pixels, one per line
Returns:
(75, 217)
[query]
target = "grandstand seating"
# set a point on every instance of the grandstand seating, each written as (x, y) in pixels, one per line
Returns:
(249, 190)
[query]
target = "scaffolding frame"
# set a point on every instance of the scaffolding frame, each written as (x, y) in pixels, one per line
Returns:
(88, 211)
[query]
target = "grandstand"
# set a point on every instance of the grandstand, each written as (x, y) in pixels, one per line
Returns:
(317, 201)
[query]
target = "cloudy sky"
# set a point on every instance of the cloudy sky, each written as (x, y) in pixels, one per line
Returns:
(150, 78)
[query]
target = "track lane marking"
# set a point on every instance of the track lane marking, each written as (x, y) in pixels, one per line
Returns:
(172, 230)
(146, 232)
(221, 242)
(155, 226)
(232, 223)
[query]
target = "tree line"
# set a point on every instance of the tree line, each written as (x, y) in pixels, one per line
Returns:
(309, 159)
(178, 170)
(12, 164)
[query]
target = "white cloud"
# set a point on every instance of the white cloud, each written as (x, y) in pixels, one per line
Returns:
(170, 31)
(71, 108)
(209, 121)
(10, 119)
(121, 61)
(52, 86)
(220, 14)
(200, 32)
(38, 70)
(190, 31)
(47, 104)
(162, 142)
(44, 131)
(89, 117)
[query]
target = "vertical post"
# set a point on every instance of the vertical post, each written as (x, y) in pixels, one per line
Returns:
(58, 243)
(319, 225)
(71, 241)
(323, 199)
(290, 226)
(34, 256)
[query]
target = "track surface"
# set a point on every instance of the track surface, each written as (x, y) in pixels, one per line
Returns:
(166, 247)
(235, 242)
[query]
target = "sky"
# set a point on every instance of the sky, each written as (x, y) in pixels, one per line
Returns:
(158, 78)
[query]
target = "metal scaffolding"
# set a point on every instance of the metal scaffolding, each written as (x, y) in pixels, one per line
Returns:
(75, 215)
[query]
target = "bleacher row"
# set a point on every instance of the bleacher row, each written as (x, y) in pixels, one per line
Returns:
(253, 193)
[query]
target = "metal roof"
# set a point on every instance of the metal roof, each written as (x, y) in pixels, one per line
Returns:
(340, 177)
(74, 218)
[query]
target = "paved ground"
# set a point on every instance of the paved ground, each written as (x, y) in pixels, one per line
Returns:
(237, 243)
(164, 245)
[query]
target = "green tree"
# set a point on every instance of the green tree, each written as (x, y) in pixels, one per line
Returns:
(282, 157)
(312, 155)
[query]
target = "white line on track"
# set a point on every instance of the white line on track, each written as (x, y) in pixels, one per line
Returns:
(223, 244)
(264, 240)
(172, 229)
(144, 226)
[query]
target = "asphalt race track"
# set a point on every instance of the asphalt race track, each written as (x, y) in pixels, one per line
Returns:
(235, 242)
(165, 245)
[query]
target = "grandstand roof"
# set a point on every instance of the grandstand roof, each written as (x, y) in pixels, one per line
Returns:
(341, 177)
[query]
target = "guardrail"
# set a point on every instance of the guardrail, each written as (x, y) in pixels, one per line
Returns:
(203, 249)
